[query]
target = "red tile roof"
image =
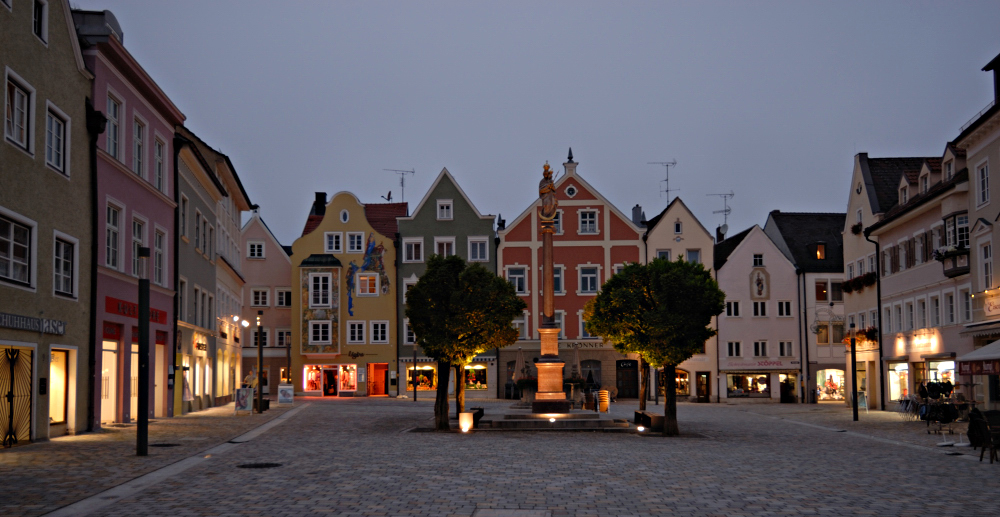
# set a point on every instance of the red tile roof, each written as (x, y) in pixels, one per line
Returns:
(382, 217)
(311, 223)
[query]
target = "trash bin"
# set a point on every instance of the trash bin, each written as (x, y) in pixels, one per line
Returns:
(477, 413)
(604, 400)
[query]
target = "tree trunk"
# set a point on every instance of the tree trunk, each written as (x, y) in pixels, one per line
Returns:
(459, 389)
(670, 404)
(441, 422)
(643, 383)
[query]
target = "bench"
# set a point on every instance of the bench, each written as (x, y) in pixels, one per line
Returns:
(649, 420)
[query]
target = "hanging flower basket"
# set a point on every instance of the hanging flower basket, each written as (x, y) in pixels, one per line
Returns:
(856, 228)
(869, 279)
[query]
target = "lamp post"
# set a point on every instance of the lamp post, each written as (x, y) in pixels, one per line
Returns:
(854, 375)
(260, 365)
(142, 427)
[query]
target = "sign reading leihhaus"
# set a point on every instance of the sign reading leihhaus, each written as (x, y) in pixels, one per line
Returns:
(43, 325)
(125, 308)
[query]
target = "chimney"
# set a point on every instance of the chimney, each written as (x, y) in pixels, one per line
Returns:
(319, 205)
(637, 215)
(570, 165)
(994, 66)
(719, 236)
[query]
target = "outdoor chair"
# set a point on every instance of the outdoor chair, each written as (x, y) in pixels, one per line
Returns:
(989, 437)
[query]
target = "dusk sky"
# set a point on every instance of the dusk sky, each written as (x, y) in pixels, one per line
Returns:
(770, 100)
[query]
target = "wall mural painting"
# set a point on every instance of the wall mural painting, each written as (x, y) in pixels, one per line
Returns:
(331, 313)
(372, 262)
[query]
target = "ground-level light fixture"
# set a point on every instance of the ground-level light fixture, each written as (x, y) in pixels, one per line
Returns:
(465, 421)
(640, 428)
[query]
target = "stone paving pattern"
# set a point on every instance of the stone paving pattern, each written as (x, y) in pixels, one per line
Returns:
(352, 457)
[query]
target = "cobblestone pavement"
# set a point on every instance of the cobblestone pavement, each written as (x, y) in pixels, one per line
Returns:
(351, 457)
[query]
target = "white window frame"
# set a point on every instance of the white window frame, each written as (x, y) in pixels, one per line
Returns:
(733, 309)
(579, 279)
(385, 339)
(583, 334)
(260, 297)
(524, 275)
(329, 293)
(136, 243)
(313, 324)
(559, 318)
(663, 254)
(965, 296)
(113, 256)
(521, 324)
(733, 349)
(53, 111)
(557, 222)
(415, 244)
(159, 258)
(986, 273)
(760, 309)
(283, 337)
(758, 260)
(159, 164)
(74, 264)
(687, 255)
(32, 262)
(266, 332)
(113, 131)
(760, 349)
(678, 227)
(910, 321)
(357, 283)
(445, 210)
(278, 292)
(445, 240)
(409, 338)
(140, 133)
(982, 183)
(336, 245)
(935, 310)
(44, 22)
(580, 222)
(474, 242)
(407, 284)
(352, 327)
(785, 349)
(784, 308)
(950, 308)
(361, 242)
(259, 245)
(28, 145)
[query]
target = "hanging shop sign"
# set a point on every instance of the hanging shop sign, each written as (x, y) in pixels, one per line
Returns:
(41, 325)
(987, 367)
(992, 306)
(126, 308)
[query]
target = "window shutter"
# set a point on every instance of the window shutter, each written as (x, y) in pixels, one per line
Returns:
(911, 256)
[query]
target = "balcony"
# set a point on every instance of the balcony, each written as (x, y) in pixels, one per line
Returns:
(955, 261)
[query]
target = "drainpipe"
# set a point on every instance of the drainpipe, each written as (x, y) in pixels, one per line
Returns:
(803, 344)
(171, 390)
(96, 122)
(878, 311)
(399, 297)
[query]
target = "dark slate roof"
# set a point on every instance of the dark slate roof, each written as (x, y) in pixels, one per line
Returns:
(726, 247)
(942, 186)
(288, 250)
(320, 260)
(956, 150)
(382, 217)
(885, 176)
(801, 231)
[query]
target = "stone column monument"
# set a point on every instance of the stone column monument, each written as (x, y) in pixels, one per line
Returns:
(550, 397)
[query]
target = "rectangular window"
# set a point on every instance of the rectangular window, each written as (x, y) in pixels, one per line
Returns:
(909, 316)
(966, 305)
(255, 250)
(733, 309)
(558, 317)
(258, 297)
(159, 245)
(588, 280)
(872, 266)
(517, 277)
(962, 229)
(55, 141)
(760, 348)
(823, 334)
(836, 291)
(284, 338)
(114, 128)
(263, 334)
(758, 260)
(850, 271)
(760, 309)
(18, 115)
(355, 242)
(861, 321)
(138, 147)
(983, 184)
(557, 280)
(138, 240)
(111, 234)
(444, 247)
(319, 290)
(734, 349)
(444, 210)
(380, 332)
(987, 255)
(39, 19)
(333, 241)
(784, 308)
(158, 165)
(283, 298)
(478, 250)
(413, 250)
(588, 221)
(935, 311)
(922, 314)
(678, 227)
(663, 254)
(184, 215)
(861, 267)
(356, 332)
(198, 225)
(557, 222)
(899, 318)
(15, 251)
(821, 293)
(410, 338)
(583, 329)
(521, 324)
(694, 256)
(785, 348)
(367, 284)
(319, 332)
(949, 308)
(62, 266)
(821, 252)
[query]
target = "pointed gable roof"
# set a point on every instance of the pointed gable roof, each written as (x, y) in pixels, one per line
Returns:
(257, 219)
(726, 247)
(882, 176)
(651, 224)
(796, 234)
(445, 175)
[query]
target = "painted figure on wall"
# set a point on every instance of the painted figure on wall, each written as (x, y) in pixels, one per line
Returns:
(373, 261)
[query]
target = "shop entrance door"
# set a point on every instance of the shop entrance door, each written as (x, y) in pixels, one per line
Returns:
(703, 382)
(15, 397)
(109, 382)
(378, 379)
(627, 379)
(133, 385)
(160, 385)
(329, 382)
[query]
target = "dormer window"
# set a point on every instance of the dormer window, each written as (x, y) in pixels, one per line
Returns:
(925, 181)
(949, 170)
(444, 210)
(821, 251)
(903, 195)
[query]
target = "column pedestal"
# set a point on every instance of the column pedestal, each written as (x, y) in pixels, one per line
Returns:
(550, 397)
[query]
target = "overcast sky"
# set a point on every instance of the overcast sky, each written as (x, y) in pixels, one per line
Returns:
(770, 100)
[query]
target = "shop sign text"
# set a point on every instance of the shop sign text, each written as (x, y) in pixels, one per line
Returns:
(42, 325)
(992, 306)
(125, 308)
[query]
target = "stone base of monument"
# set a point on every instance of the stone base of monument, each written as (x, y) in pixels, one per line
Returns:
(551, 406)
(579, 421)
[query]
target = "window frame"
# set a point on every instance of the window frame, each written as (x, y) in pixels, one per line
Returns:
(416, 245)
(409, 337)
(113, 130)
(74, 262)
(581, 275)
(159, 164)
(760, 309)
(313, 291)
(367, 275)
(313, 324)
(137, 243)
(113, 256)
(337, 245)
(361, 242)
(785, 349)
(282, 292)
(733, 309)
(40, 22)
(785, 309)
(445, 209)
(445, 241)
(733, 349)
(351, 327)
(982, 184)
(159, 250)
(760, 349)
(31, 263)
(758, 260)
(523, 275)
(373, 335)
(475, 242)
(12, 80)
(582, 228)
(259, 245)
(687, 255)
(53, 112)
(260, 297)
(663, 254)
(140, 131)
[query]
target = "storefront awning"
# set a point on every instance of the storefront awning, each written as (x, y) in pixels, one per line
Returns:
(983, 361)
(897, 359)
(942, 355)
(982, 328)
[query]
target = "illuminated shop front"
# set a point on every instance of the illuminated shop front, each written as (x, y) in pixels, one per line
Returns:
(899, 377)
(749, 385)
(681, 379)
(425, 375)
(830, 384)
(330, 380)
(475, 377)
(942, 371)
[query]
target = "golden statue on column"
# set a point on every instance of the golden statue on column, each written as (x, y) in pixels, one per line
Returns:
(550, 397)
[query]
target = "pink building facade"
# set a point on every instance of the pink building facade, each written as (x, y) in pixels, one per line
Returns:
(135, 208)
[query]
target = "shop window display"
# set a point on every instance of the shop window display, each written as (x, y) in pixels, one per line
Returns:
(348, 377)
(475, 377)
(830, 384)
(942, 371)
(899, 376)
(681, 379)
(426, 378)
(753, 385)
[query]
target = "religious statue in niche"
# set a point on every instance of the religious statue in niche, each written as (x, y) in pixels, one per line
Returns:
(373, 261)
(547, 192)
(759, 282)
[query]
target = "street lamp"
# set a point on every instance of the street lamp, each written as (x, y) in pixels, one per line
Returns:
(854, 375)
(260, 365)
(142, 427)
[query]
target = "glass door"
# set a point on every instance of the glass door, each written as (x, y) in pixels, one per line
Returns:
(109, 381)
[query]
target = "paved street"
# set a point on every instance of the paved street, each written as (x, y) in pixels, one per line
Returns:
(352, 457)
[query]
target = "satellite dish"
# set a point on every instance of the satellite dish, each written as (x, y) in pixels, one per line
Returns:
(724, 229)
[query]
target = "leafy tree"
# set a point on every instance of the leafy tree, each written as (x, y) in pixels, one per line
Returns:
(457, 312)
(662, 311)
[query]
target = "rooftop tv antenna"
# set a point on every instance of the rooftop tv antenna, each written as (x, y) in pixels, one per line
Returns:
(725, 210)
(666, 182)
(402, 182)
